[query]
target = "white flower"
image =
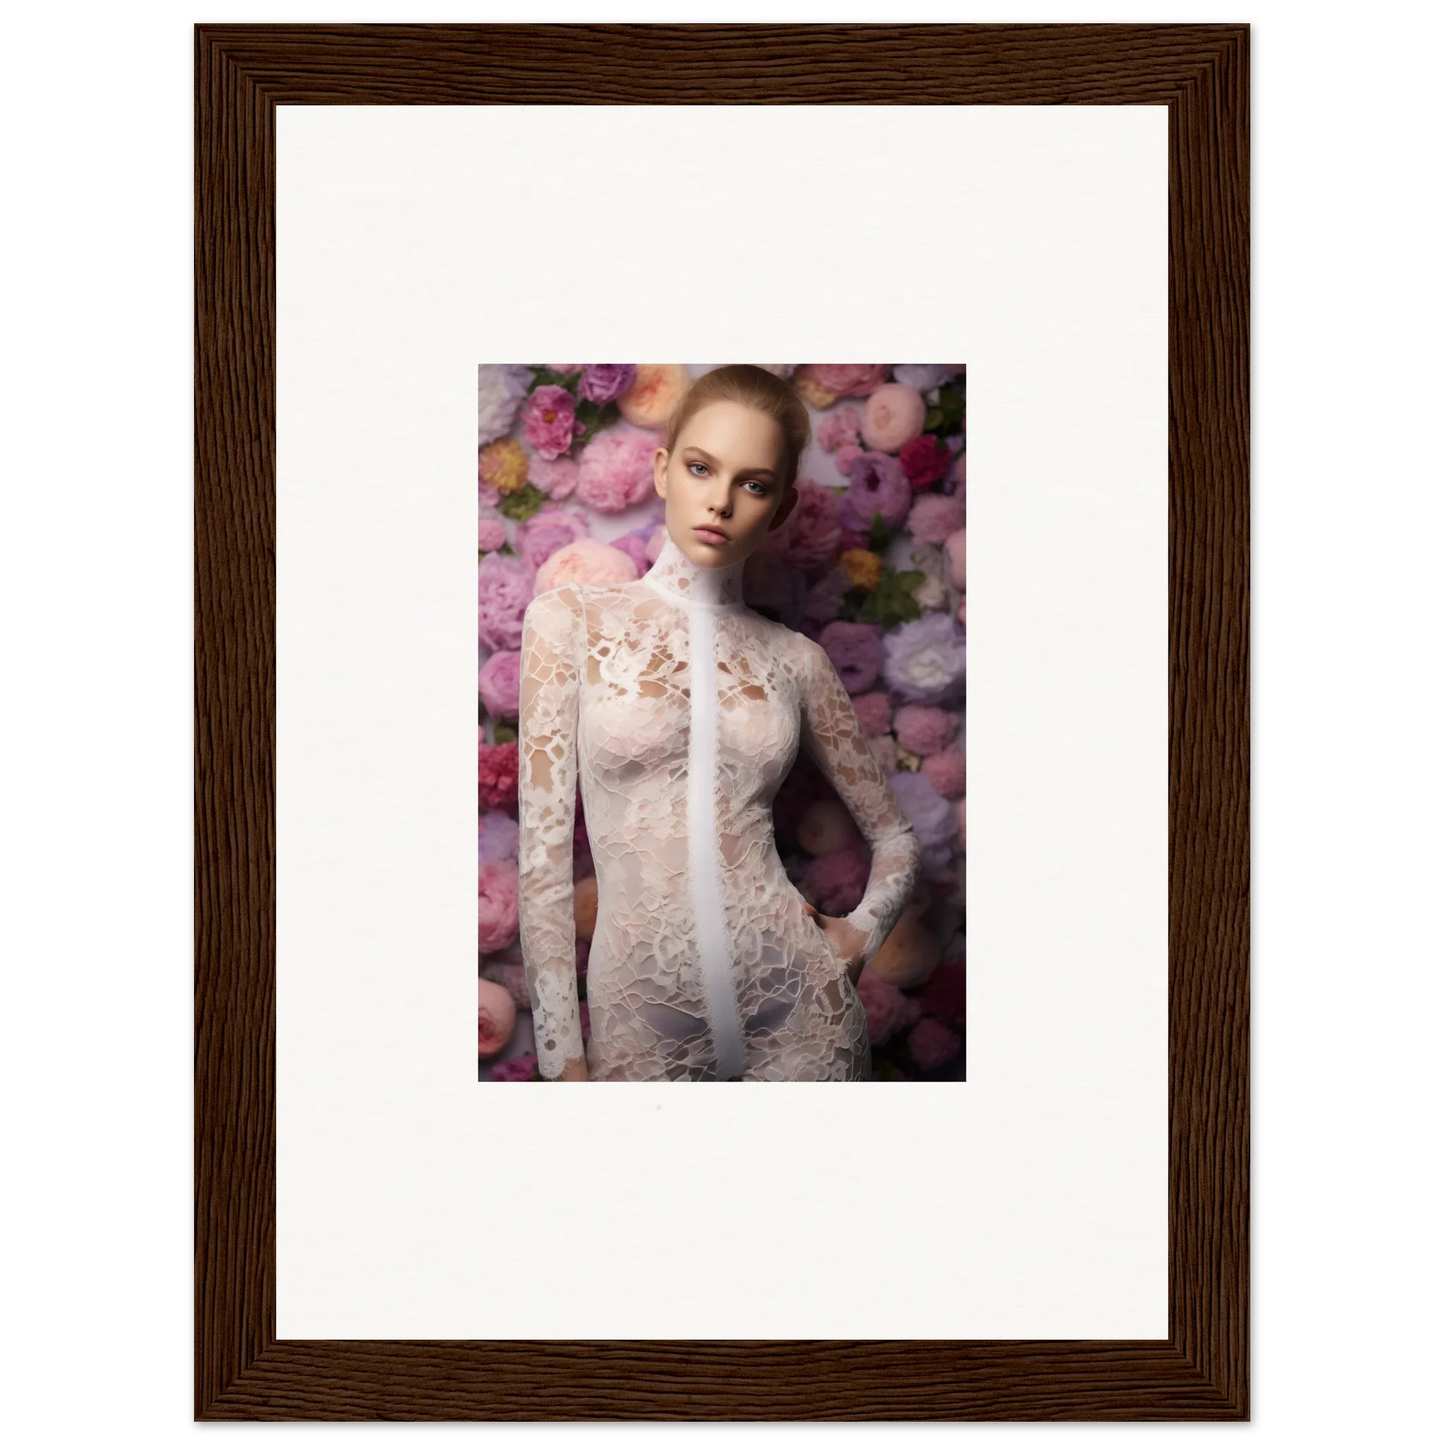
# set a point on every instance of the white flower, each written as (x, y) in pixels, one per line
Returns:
(931, 595)
(500, 390)
(923, 378)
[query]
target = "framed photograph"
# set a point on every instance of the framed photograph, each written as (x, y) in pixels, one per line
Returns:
(726, 686)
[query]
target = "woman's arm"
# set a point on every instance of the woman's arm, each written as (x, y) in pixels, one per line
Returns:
(836, 743)
(546, 812)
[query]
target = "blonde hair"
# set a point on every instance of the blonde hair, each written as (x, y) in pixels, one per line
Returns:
(749, 386)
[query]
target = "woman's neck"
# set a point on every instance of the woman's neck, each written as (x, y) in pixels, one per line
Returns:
(690, 582)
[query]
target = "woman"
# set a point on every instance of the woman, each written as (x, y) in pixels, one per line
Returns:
(681, 711)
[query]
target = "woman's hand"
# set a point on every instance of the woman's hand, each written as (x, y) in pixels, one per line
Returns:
(845, 940)
(573, 1071)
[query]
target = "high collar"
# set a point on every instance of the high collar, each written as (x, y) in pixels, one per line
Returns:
(692, 584)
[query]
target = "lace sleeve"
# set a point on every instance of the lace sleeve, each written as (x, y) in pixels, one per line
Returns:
(835, 741)
(546, 813)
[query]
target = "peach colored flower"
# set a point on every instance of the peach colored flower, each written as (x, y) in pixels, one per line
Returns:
(655, 391)
(502, 464)
(587, 561)
(954, 549)
(892, 416)
(496, 1018)
(807, 385)
(863, 567)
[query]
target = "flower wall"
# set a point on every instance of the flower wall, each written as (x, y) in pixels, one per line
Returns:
(871, 564)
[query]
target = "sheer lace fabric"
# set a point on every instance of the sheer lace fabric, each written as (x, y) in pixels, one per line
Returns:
(678, 712)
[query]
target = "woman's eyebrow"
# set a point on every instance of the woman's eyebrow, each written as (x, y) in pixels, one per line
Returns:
(745, 472)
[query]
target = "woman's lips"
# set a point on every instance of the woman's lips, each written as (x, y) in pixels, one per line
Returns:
(710, 534)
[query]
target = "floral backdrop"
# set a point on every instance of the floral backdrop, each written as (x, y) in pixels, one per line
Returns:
(870, 564)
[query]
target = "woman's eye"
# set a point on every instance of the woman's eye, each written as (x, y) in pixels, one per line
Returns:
(761, 490)
(691, 465)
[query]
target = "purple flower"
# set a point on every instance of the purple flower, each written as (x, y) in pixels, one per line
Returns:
(517, 1070)
(855, 652)
(549, 421)
(934, 820)
(602, 383)
(496, 838)
(500, 390)
(825, 597)
(504, 588)
(876, 483)
(924, 378)
(924, 661)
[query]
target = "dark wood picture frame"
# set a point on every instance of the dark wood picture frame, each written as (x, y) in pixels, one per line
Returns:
(242, 1371)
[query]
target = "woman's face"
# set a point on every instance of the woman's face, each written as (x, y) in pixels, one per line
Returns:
(723, 483)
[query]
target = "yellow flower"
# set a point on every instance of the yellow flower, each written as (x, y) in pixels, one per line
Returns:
(862, 567)
(812, 390)
(503, 464)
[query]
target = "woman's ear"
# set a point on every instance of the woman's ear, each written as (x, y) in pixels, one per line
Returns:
(785, 507)
(659, 472)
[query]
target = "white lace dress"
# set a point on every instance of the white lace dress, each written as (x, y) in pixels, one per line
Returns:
(680, 711)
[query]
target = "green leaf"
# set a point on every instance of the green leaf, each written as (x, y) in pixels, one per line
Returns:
(948, 412)
(545, 376)
(503, 733)
(878, 533)
(523, 503)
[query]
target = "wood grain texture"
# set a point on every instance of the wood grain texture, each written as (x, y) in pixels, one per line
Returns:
(242, 73)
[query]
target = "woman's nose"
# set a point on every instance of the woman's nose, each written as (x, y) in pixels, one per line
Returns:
(720, 497)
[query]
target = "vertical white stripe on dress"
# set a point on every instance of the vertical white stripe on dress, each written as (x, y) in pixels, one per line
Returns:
(703, 854)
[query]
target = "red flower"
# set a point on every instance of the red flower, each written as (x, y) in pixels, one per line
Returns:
(925, 459)
(497, 776)
(944, 996)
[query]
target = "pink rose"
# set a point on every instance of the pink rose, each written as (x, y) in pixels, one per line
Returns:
(808, 539)
(922, 729)
(892, 416)
(496, 1018)
(875, 713)
(934, 517)
(491, 534)
(556, 476)
(587, 562)
(496, 905)
(840, 427)
(855, 652)
(886, 1007)
(499, 684)
(946, 771)
(504, 588)
(549, 421)
(932, 1044)
(615, 469)
(548, 531)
